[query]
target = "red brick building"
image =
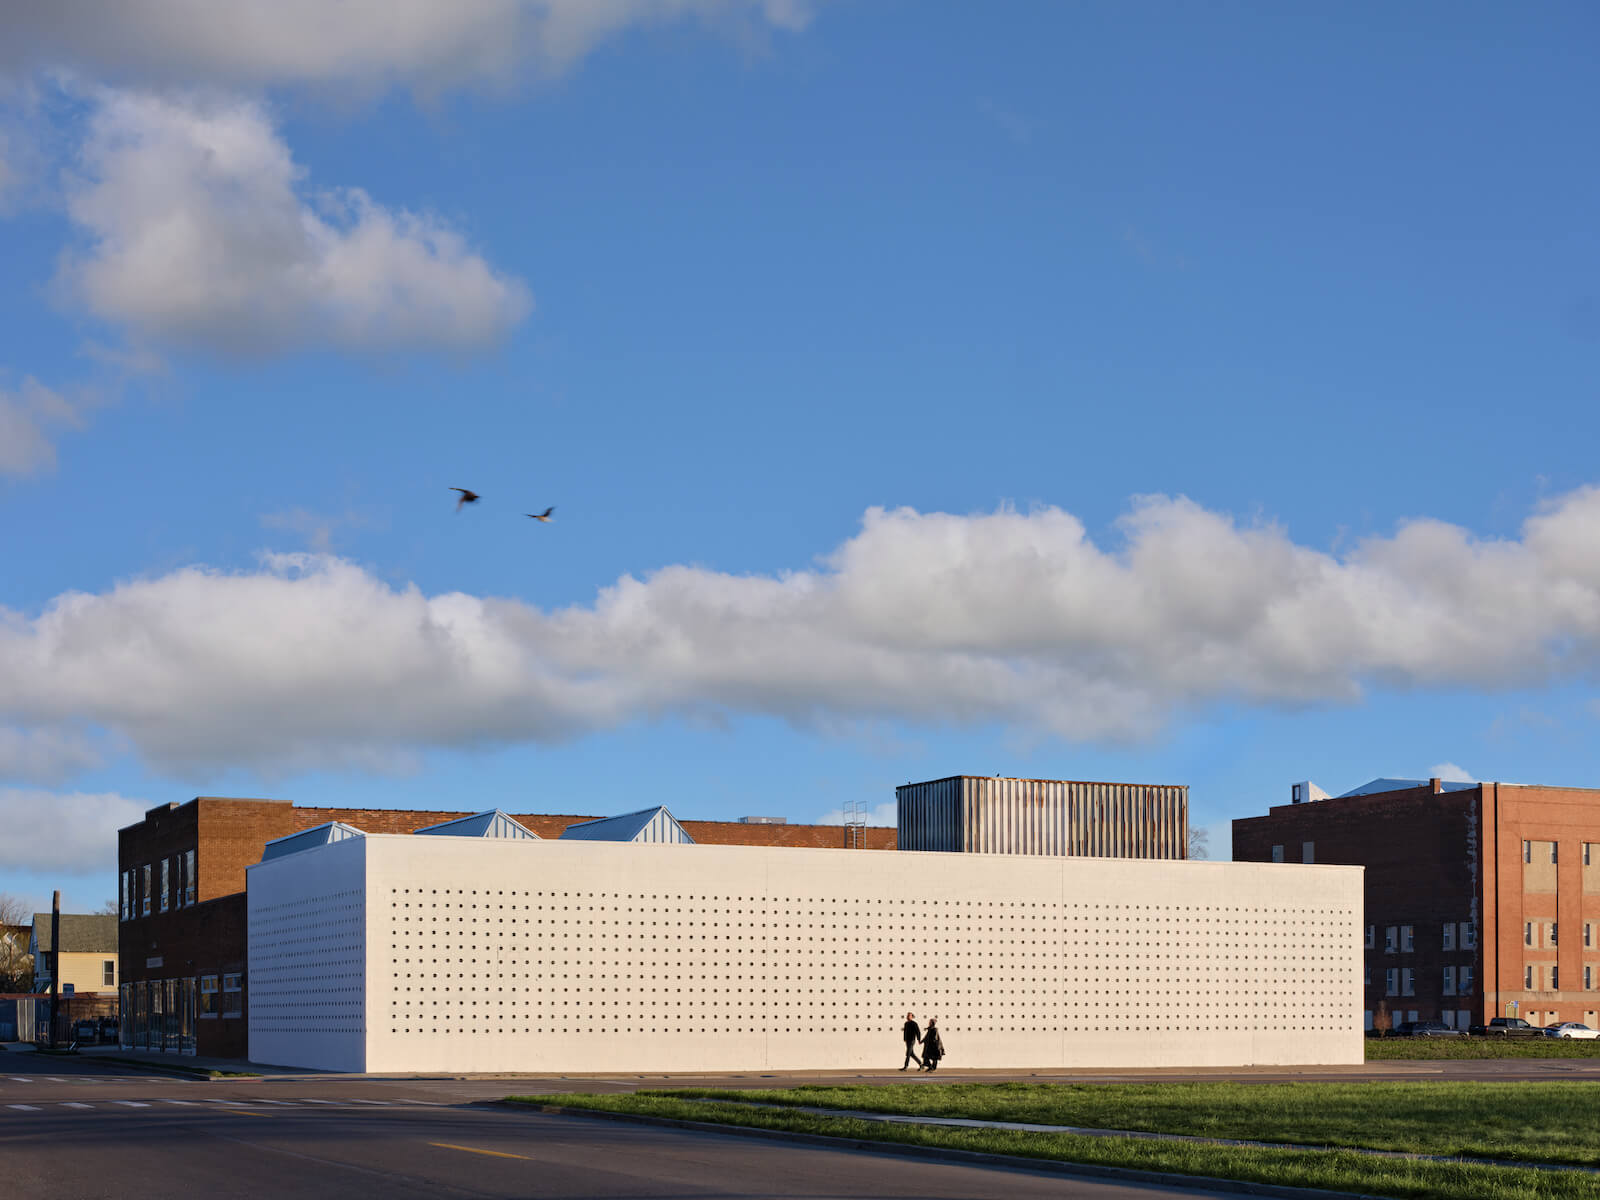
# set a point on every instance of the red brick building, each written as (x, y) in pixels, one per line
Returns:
(182, 932)
(1482, 900)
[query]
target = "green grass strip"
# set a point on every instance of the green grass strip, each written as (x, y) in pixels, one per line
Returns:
(1336, 1170)
(1546, 1122)
(1426, 1049)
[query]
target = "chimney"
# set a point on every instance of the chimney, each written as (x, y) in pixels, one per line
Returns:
(1436, 785)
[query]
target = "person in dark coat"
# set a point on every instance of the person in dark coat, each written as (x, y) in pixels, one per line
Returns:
(913, 1035)
(932, 1046)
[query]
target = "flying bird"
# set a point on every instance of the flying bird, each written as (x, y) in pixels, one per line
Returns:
(466, 497)
(544, 516)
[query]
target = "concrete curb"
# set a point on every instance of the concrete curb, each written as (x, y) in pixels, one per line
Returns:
(968, 1157)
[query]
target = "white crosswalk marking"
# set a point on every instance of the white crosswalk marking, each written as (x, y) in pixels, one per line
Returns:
(74, 1104)
(384, 1103)
(308, 1100)
(185, 1103)
(53, 1079)
(23, 1107)
(285, 1103)
(20, 1079)
(131, 1103)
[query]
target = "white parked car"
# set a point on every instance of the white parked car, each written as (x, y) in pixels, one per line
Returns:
(1571, 1029)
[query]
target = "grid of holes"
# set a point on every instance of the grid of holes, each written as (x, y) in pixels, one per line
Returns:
(508, 961)
(306, 961)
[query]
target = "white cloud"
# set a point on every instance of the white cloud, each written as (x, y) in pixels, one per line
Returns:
(63, 831)
(930, 619)
(44, 754)
(30, 418)
(1449, 772)
(366, 43)
(198, 230)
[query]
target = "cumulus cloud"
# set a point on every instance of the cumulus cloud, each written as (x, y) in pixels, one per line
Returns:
(887, 813)
(198, 230)
(63, 831)
(1449, 772)
(44, 754)
(30, 419)
(925, 618)
(369, 43)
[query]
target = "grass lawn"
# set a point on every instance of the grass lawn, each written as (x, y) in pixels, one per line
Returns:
(1388, 1049)
(1381, 1115)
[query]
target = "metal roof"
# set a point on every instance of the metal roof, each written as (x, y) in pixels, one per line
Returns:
(306, 839)
(1400, 785)
(492, 823)
(646, 825)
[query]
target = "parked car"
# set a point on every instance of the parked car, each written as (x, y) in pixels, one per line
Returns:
(1506, 1027)
(1570, 1029)
(1425, 1029)
(108, 1029)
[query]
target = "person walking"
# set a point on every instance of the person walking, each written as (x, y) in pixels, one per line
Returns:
(913, 1035)
(932, 1046)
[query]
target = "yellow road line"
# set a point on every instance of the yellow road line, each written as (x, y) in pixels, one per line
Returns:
(240, 1112)
(475, 1150)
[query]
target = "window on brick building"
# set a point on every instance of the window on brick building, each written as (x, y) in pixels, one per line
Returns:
(188, 877)
(1469, 935)
(166, 883)
(1391, 981)
(208, 997)
(1588, 934)
(1527, 978)
(1588, 979)
(1552, 940)
(1588, 847)
(1449, 981)
(1527, 933)
(1277, 854)
(1464, 981)
(126, 910)
(1527, 852)
(1308, 852)
(233, 995)
(1555, 979)
(1408, 982)
(1552, 852)
(144, 891)
(1372, 936)
(1407, 941)
(1391, 939)
(1449, 935)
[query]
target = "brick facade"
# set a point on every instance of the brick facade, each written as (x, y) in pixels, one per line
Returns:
(178, 936)
(1464, 879)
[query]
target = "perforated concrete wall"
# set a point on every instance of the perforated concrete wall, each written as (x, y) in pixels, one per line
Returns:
(562, 956)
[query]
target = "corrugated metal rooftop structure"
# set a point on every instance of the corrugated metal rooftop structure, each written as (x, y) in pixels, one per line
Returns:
(317, 835)
(646, 825)
(981, 814)
(490, 824)
(1399, 785)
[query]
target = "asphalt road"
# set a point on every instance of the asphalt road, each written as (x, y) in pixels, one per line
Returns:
(80, 1129)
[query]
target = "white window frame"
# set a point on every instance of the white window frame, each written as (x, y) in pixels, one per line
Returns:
(232, 985)
(1469, 935)
(1464, 981)
(208, 998)
(1449, 981)
(108, 972)
(1391, 939)
(127, 894)
(1408, 982)
(1449, 935)
(1407, 939)
(166, 883)
(144, 892)
(1391, 981)
(190, 891)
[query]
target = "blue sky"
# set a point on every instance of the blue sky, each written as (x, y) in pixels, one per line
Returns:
(1151, 393)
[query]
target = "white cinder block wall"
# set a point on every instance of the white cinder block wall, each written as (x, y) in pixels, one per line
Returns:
(483, 955)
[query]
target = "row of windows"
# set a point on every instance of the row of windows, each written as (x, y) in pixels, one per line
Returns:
(1545, 933)
(1543, 848)
(1402, 981)
(1546, 977)
(228, 1003)
(1401, 939)
(175, 876)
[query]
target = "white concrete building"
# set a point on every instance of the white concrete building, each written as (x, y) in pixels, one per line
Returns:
(400, 953)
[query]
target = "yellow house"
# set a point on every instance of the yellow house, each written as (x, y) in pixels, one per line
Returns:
(88, 952)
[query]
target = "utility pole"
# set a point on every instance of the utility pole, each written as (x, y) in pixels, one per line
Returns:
(55, 965)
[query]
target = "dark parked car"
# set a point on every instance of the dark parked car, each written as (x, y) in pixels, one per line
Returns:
(1506, 1027)
(86, 1030)
(108, 1029)
(1425, 1029)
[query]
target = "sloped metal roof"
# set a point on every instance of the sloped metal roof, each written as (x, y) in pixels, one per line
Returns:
(306, 839)
(1398, 785)
(492, 823)
(646, 825)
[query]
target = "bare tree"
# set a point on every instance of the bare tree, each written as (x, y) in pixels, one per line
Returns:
(16, 964)
(1199, 838)
(108, 909)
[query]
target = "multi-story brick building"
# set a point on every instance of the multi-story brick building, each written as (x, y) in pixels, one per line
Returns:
(1482, 899)
(182, 927)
